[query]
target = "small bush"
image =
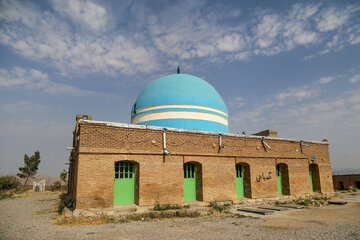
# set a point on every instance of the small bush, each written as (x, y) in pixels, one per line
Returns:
(164, 207)
(56, 186)
(5, 195)
(304, 202)
(8, 182)
(19, 190)
(219, 207)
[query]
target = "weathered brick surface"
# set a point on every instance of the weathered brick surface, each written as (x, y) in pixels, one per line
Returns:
(349, 180)
(161, 177)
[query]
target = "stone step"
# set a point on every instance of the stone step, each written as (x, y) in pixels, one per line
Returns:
(273, 208)
(256, 210)
(337, 202)
(291, 206)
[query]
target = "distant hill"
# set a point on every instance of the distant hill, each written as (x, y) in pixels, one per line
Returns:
(49, 180)
(341, 171)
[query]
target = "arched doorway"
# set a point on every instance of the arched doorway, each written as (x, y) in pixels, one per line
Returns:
(192, 181)
(282, 178)
(314, 177)
(243, 188)
(126, 182)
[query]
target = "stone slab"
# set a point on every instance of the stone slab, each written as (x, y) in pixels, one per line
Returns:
(256, 210)
(337, 202)
(273, 208)
(291, 206)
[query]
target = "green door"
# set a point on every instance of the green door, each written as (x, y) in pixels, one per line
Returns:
(278, 178)
(239, 181)
(124, 185)
(189, 182)
(311, 180)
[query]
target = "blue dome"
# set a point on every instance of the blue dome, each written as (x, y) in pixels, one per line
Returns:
(181, 101)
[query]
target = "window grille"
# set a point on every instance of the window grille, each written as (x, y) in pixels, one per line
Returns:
(238, 171)
(124, 169)
(189, 170)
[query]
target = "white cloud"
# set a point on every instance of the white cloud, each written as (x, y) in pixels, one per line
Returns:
(325, 80)
(84, 12)
(266, 31)
(48, 38)
(298, 93)
(35, 80)
(231, 42)
(148, 40)
(355, 78)
(21, 107)
(237, 102)
(331, 18)
(282, 32)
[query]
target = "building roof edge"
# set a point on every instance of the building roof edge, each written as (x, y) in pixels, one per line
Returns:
(126, 125)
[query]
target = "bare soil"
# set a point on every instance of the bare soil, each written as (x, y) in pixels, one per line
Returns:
(30, 217)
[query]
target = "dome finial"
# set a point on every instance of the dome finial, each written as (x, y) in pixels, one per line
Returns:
(178, 70)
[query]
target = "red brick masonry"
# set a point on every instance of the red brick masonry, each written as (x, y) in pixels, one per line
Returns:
(98, 145)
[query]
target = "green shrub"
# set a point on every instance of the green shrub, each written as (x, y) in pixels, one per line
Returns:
(56, 186)
(8, 182)
(219, 207)
(164, 207)
(60, 207)
(5, 195)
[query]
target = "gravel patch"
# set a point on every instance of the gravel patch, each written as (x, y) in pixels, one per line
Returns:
(19, 220)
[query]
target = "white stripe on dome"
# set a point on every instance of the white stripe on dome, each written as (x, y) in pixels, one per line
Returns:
(181, 106)
(179, 115)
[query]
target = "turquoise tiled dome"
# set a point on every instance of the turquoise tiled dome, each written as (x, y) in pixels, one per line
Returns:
(181, 101)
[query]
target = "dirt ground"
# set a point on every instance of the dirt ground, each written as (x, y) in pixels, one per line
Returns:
(29, 218)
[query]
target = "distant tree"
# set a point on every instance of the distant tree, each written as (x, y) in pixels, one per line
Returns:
(8, 182)
(31, 165)
(63, 176)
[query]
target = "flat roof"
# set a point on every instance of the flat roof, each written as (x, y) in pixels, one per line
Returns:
(126, 125)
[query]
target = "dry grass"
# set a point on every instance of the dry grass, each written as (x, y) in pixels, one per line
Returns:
(13, 193)
(149, 216)
(46, 211)
(29, 193)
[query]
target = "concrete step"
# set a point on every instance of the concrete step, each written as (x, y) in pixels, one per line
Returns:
(337, 202)
(291, 206)
(273, 208)
(256, 210)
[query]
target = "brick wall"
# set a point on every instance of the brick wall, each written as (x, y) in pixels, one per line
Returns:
(348, 180)
(161, 176)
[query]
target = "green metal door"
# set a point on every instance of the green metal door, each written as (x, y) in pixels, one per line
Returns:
(239, 181)
(311, 180)
(124, 185)
(278, 178)
(189, 182)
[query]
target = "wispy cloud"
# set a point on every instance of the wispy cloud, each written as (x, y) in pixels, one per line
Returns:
(237, 102)
(354, 78)
(325, 80)
(44, 36)
(300, 104)
(83, 12)
(22, 106)
(332, 18)
(79, 37)
(35, 80)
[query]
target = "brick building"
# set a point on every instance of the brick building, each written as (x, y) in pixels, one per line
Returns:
(346, 181)
(179, 150)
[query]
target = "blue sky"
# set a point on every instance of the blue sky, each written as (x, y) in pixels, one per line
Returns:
(285, 65)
